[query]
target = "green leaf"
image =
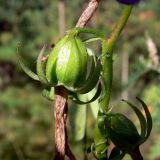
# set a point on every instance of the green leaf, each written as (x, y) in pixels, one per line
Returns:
(76, 98)
(27, 70)
(49, 93)
(140, 117)
(92, 39)
(40, 67)
(148, 117)
(116, 154)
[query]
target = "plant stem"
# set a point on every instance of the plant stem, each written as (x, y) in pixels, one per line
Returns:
(107, 53)
(90, 31)
(60, 113)
(118, 28)
(87, 13)
(107, 76)
(107, 67)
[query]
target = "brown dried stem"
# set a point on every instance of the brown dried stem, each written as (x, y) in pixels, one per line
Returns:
(61, 97)
(88, 13)
(60, 113)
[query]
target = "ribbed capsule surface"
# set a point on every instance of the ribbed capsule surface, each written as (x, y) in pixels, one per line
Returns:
(67, 63)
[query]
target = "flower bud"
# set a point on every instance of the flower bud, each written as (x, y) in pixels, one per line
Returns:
(67, 63)
(129, 2)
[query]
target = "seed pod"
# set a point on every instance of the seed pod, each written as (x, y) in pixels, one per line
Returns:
(67, 63)
(122, 131)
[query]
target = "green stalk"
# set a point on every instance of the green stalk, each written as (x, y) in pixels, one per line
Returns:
(107, 68)
(118, 28)
(100, 134)
(96, 33)
(107, 53)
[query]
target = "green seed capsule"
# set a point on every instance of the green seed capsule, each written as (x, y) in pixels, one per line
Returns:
(67, 63)
(122, 131)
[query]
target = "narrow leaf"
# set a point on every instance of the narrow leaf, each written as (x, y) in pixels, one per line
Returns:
(93, 39)
(40, 67)
(140, 117)
(148, 116)
(49, 93)
(76, 99)
(30, 73)
(116, 154)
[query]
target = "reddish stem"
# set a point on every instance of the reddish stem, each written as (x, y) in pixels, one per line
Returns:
(136, 154)
(60, 113)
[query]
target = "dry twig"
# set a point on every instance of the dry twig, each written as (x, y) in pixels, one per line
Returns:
(88, 13)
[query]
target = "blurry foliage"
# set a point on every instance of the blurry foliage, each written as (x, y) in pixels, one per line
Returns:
(152, 94)
(25, 123)
(26, 118)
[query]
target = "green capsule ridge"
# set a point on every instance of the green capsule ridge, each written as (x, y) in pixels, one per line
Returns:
(67, 63)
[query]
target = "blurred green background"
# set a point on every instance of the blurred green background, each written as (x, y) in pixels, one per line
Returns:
(26, 117)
